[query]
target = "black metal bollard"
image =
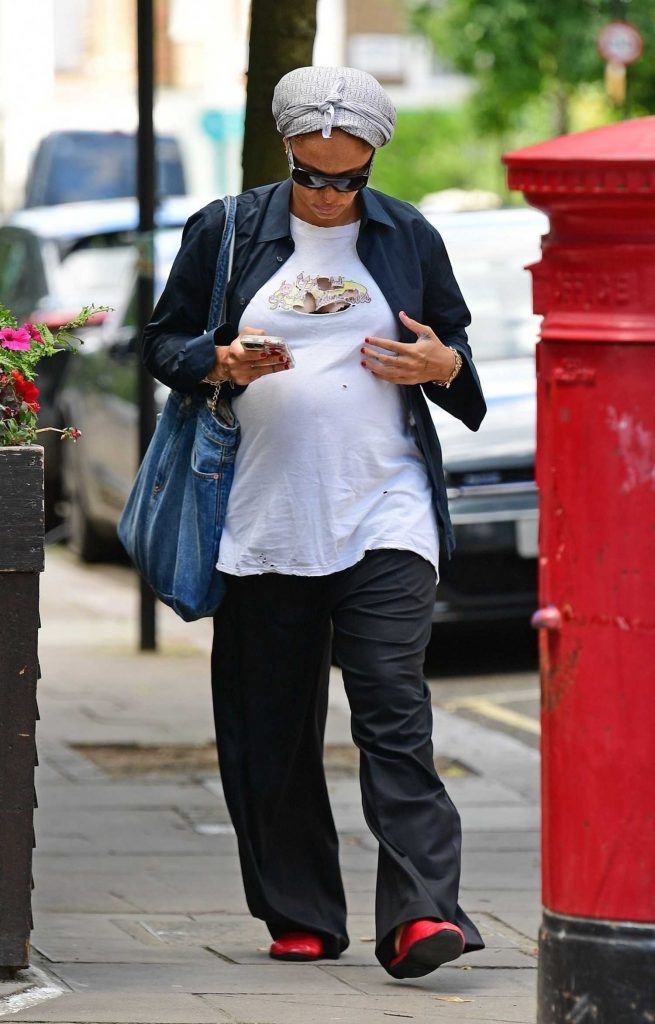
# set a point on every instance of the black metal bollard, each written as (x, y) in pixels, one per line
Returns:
(21, 561)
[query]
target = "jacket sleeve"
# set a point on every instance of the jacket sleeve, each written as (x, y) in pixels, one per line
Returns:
(176, 347)
(446, 312)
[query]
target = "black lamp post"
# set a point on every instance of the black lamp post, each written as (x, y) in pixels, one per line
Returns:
(146, 196)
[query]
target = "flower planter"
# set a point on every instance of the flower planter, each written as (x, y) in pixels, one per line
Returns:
(21, 561)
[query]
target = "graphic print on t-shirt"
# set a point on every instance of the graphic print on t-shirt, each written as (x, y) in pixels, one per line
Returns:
(318, 294)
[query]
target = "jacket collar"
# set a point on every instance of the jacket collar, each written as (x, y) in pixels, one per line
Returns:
(275, 223)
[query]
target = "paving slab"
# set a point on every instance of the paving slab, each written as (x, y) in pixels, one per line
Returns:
(520, 910)
(421, 1008)
(507, 870)
(139, 900)
(247, 932)
(168, 885)
(358, 954)
(109, 831)
(126, 794)
(95, 938)
(119, 1008)
(493, 754)
(24, 988)
(519, 818)
(216, 976)
(490, 843)
(476, 983)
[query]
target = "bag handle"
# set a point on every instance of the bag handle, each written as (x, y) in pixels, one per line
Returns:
(223, 265)
(218, 303)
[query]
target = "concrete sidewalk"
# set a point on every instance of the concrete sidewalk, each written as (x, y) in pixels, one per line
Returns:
(139, 910)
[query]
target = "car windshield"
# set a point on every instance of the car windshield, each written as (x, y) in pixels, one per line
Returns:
(489, 253)
(92, 276)
(70, 166)
(167, 244)
(499, 296)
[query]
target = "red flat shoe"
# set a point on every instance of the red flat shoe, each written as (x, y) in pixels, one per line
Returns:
(298, 946)
(424, 946)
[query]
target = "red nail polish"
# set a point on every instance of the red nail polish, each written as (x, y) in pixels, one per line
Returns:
(363, 362)
(363, 351)
(262, 355)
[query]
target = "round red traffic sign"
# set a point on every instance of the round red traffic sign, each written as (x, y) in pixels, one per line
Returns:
(620, 42)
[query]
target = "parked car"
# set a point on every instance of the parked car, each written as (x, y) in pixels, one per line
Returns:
(490, 474)
(53, 260)
(78, 166)
(99, 394)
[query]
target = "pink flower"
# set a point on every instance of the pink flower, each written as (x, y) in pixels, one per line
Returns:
(34, 334)
(19, 340)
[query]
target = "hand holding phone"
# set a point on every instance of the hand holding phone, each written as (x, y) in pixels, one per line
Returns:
(272, 344)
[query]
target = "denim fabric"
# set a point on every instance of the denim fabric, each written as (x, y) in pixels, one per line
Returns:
(171, 525)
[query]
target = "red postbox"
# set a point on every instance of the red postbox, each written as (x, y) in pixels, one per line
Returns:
(595, 286)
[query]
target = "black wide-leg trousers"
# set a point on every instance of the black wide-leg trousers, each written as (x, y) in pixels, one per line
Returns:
(270, 667)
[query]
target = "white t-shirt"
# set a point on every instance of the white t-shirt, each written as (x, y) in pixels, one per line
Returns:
(328, 467)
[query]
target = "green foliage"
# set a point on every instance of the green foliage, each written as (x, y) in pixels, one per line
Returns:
(437, 149)
(519, 50)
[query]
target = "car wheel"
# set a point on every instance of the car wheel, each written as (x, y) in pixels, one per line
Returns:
(84, 539)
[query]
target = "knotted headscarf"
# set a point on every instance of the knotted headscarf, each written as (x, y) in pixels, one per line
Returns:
(319, 99)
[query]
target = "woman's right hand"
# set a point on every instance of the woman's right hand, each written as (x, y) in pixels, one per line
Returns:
(235, 363)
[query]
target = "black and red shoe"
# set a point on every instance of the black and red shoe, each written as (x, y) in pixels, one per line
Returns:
(298, 946)
(425, 945)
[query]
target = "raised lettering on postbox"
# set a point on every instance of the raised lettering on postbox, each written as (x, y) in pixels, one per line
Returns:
(589, 289)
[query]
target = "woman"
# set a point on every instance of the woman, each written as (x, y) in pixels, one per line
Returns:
(334, 521)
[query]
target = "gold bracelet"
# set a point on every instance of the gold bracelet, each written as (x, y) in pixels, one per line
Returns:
(220, 380)
(455, 371)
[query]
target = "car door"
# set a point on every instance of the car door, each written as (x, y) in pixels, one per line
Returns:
(22, 272)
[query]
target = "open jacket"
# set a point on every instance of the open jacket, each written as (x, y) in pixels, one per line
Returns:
(401, 250)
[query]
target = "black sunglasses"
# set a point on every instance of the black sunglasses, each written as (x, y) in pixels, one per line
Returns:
(309, 179)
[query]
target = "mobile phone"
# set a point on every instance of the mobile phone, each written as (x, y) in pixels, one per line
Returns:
(268, 343)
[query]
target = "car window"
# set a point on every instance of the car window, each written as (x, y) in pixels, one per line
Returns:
(22, 278)
(489, 253)
(93, 276)
(12, 267)
(78, 165)
(167, 243)
(499, 296)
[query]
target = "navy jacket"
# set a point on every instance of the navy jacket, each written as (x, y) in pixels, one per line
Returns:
(403, 253)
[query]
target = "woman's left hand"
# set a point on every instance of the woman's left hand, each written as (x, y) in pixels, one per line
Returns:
(428, 359)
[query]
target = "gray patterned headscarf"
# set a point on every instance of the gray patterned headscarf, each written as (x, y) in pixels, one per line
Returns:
(319, 99)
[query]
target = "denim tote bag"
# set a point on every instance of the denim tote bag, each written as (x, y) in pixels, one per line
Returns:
(172, 523)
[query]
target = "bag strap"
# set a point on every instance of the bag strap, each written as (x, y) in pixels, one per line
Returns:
(223, 265)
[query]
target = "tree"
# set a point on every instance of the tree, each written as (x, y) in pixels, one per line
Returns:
(519, 50)
(281, 39)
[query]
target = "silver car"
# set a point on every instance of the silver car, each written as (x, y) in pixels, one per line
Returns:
(490, 475)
